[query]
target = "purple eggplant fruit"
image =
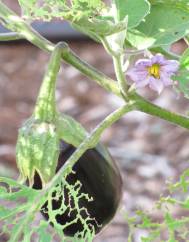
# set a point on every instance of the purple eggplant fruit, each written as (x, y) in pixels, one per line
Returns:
(100, 179)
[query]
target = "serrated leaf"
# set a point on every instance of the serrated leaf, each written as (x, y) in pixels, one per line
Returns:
(136, 10)
(165, 24)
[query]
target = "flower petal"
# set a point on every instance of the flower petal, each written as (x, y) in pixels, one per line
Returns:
(142, 82)
(165, 78)
(142, 64)
(137, 75)
(158, 59)
(171, 66)
(156, 84)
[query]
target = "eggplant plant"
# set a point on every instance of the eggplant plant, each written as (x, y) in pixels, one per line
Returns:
(66, 174)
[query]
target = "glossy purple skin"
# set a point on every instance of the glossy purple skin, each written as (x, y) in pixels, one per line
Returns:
(100, 178)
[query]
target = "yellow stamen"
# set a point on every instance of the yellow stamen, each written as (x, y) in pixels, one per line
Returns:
(154, 71)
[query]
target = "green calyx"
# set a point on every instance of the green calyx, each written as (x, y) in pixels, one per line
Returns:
(37, 150)
(38, 143)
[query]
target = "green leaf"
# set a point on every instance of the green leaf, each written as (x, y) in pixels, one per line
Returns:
(46, 9)
(184, 60)
(44, 236)
(165, 24)
(135, 9)
(12, 183)
(70, 130)
(5, 212)
(86, 3)
(18, 216)
(186, 204)
(139, 40)
(99, 26)
(172, 223)
(183, 80)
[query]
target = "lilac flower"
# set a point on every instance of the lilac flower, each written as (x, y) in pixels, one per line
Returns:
(155, 72)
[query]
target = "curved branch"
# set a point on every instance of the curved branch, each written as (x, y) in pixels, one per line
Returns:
(13, 22)
(152, 109)
(89, 142)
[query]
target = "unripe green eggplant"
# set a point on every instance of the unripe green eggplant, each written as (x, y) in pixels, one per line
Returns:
(100, 179)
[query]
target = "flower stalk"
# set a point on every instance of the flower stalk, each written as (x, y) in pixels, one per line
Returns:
(120, 75)
(45, 109)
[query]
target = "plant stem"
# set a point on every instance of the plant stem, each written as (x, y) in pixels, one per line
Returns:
(107, 47)
(31, 35)
(88, 143)
(71, 58)
(45, 109)
(122, 84)
(7, 16)
(16, 24)
(152, 109)
(110, 85)
(167, 53)
(10, 36)
(120, 75)
(186, 38)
